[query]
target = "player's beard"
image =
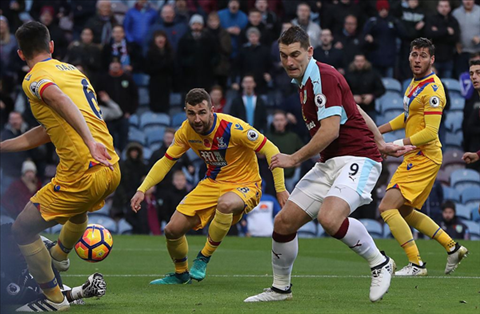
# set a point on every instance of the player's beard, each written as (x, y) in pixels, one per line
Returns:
(204, 127)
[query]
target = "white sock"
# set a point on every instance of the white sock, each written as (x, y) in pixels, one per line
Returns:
(283, 256)
(76, 293)
(359, 240)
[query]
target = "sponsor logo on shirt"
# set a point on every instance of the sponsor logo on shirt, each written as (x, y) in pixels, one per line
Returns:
(195, 141)
(409, 166)
(311, 125)
(221, 143)
(213, 157)
(238, 127)
(252, 135)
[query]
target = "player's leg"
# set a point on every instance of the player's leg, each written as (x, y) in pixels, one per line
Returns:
(285, 246)
(71, 232)
(389, 210)
(25, 231)
(229, 204)
(177, 247)
(95, 286)
(428, 227)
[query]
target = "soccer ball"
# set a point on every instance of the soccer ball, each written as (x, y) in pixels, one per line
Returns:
(95, 244)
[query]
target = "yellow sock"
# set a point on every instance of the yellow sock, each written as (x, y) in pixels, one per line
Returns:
(178, 250)
(216, 232)
(402, 233)
(428, 227)
(69, 236)
(40, 266)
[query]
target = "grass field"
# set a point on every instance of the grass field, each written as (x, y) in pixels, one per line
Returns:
(327, 278)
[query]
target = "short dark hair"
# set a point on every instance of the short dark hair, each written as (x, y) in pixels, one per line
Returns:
(33, 37)
(295, 34)
(423, 42)
(196, 95)
(474, 62)
(449, 204)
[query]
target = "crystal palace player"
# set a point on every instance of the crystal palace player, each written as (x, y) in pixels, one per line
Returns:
(231, 187)
(340, 182)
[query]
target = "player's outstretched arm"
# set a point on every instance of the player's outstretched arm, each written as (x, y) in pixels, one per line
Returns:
(327, 133)
(395, 124)
(471, 157)
(63, 105)
(28, 140)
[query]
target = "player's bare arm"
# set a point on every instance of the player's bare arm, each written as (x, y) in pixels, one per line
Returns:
(384, 148)
(469, 157)
(29, 140)
(64, 106)
(327, 133)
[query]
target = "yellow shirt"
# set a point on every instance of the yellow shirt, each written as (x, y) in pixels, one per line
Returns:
(228, 149)
(423, 103)
(74, 155)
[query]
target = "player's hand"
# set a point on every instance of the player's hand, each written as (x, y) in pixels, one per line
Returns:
(100, 154)
(470, 157)
(282, 198)
(136, 200)
(391, 149)
(282, 161)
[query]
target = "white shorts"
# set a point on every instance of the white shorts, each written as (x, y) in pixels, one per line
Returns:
(349, 178)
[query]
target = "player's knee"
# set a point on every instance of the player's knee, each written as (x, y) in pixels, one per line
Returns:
(225, 205)
(172, 232)
(20, 234)
(329, 223)
(282, 225)
(382, 208)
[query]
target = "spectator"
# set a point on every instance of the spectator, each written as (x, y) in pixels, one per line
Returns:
(102, 23)
(138, 21)
(349, 40)
(451, 224)
(183, 162)
(11, 164)
(259, 222)
(412, 16)
(151, 204)
(465, 82)
(281, 80)
(47, 16)
(326, 53)
(121, 88)
(133, 171)
(224, 46)
(433, 204)
(128, 53)
(254, 58)
(233, 20)
(167, 23)
(7, 42)
(292, 106)
(380, 35)
(172, 196)
(468, 17)
(20, 191)
(269, 18)
(12, 10)
(203, 7)
(335, 14)
(82, 11)
(160, 67)
(255, 20)
(248, 106)
(303, 20)
(6, 104)
(287, 142)
(87, 54)
(218, 101)
(110, 109)
(444, 32)
(182, 11)
(197, 56)
(365, 83)
(61, 8)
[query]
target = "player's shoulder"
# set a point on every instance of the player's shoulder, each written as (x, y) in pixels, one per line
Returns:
(236, 122)
(435, 88)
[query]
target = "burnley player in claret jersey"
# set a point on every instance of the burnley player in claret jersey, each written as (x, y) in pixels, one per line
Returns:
(350, 147)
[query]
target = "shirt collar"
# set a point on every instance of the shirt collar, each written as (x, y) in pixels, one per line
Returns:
(308, 72)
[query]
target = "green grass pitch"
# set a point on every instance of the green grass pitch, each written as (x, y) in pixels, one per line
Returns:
(327, 278)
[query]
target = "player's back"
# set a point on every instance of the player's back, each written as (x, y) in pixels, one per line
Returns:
(325, 92)
(228, 149)
(424, 96)
(74, 155)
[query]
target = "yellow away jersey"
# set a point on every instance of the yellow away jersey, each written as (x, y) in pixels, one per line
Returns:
(228, 149)
(74, 155)
(424, 96)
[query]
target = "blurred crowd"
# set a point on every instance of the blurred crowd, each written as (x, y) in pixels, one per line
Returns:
(143, 56)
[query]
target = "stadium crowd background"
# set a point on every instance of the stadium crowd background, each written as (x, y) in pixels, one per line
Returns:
(142, 57)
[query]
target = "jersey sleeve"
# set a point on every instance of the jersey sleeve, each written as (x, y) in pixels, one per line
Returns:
(329, 100)
(179, 145)
(246, 135)
(434, 100)
(35, 83)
